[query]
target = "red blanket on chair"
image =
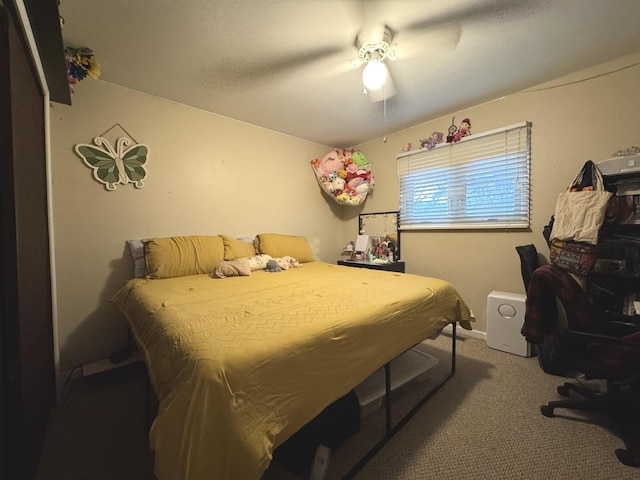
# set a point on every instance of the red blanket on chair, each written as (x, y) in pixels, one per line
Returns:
(547, 283)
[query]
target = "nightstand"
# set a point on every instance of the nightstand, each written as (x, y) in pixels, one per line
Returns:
(389, 267)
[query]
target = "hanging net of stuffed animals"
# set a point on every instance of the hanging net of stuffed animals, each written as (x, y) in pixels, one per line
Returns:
(344, 175)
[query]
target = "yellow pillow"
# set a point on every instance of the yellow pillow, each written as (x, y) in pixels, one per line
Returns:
(179, 256)
(234, 248)
(278, 245)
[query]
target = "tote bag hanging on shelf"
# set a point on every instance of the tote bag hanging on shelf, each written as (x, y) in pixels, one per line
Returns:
(580, 210)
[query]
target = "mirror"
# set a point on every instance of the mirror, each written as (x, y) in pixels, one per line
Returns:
(384, 226)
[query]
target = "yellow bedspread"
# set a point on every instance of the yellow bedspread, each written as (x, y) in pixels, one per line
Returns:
(239, 364)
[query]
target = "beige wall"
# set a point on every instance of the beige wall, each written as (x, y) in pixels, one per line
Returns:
(571, 124)
(206, 175)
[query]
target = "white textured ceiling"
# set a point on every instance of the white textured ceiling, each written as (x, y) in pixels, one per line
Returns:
(286, 65)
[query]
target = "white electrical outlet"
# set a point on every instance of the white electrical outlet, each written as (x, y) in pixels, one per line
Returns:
(320, 463)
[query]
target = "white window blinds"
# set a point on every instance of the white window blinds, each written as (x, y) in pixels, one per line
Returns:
(482, 181)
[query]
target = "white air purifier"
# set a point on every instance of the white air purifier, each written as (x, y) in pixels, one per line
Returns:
(505, 317)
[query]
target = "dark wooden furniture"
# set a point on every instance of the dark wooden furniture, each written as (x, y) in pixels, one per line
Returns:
(389, 267)
(27, 372)
(614, 284)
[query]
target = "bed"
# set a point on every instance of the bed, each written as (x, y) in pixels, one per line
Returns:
(240, 363)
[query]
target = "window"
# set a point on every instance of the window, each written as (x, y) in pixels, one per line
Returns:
(482, 181)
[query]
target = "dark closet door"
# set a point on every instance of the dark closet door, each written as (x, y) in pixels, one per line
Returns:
(26, 332)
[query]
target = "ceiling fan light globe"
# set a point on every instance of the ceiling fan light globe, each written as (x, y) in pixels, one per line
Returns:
(374, 74)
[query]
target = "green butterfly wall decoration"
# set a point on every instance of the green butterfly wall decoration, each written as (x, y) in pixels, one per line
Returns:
(111, 166)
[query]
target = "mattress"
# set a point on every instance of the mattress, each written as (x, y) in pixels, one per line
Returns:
(239, 364)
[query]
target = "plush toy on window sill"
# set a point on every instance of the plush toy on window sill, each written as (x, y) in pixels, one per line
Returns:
(451, 132)
(463, 130)
(432, 141)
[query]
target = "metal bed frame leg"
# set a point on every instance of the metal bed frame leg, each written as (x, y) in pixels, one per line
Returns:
(390, 430)
(387, 396)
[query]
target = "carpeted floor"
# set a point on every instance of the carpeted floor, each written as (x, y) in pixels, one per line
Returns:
(484, 423)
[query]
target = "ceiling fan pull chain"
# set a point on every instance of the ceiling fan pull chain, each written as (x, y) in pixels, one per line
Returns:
(384, 113)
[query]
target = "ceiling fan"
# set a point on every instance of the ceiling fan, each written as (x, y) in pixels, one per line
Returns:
(372, 52)
(387, 36)
(379, 38)
(390, 30)
(402, 36)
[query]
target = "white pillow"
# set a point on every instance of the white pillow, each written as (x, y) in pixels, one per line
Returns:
(136, 247)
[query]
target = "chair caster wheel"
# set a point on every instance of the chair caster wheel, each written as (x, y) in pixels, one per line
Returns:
(563, 390)
(547, 411)
(627, 458)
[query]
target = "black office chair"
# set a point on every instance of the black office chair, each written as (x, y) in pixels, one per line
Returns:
(529, 263)
(583, 346)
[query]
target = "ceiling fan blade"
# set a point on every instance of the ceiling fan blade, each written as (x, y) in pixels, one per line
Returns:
(387, 90)
(373, 33)
(246, 72)
(442, 27)
(475, 11)
(444, 38)
(373, 22)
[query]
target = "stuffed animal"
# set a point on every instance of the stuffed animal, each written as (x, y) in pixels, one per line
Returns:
(350, 166)
(282, 263)
(463, 130)
(345, 175)
(331, 162)
(272, 266)
(432, 141)
(358, 184)
(287, 262)
(359, 158)
(337, 185)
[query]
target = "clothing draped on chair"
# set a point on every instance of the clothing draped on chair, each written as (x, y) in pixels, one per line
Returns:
(547, 283)
(589, 346)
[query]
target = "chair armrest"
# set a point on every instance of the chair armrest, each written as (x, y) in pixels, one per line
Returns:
(587, 338)
(617, 328)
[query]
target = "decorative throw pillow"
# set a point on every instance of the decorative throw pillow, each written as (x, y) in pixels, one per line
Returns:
(136, 247)
(237, 248)
(278, 245)
(179, 256)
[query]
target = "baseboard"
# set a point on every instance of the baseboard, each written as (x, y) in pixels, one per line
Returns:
(461, 332)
